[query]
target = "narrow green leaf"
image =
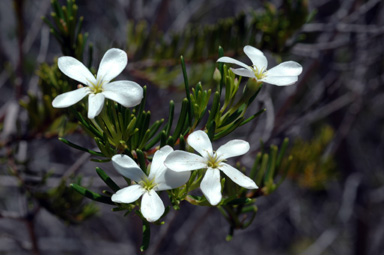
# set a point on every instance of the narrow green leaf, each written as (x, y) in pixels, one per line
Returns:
(100, 160)
(255, 166)
(171, 141)
(282, 151)
(211, 130)
(91, 195)
(107, 179)
(186, 84)
(271, 165)
(221, 69)
(170, 117)
(144, 139)
(182, 118)
(155, 127)
(141, 160)
(215, 106)
(81, 148)
(182, 143)
(231, 118)
(252, 117)
(264, 164)
(229, 129)
(163, 139)
(146, 236)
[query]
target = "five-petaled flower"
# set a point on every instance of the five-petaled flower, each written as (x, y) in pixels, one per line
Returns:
(283, 74)
(160, 178)
(181, 161)
(126, 93)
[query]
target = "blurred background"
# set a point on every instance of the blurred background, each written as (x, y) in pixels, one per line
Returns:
(332, 198)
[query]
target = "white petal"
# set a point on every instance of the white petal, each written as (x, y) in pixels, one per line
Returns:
(199, 141)
(164, 177)
(280, 80)
(289, 68)
(257, 57)
(243, 72)
(127, 167)
(211, 186)
(152, 207)
(69, 98)
(113, 63)
(126, 93)
(234, 61)
(232, 148)
(157, 166)
(74, 69)
(128, 195)
(95, 104)
(181, 161)
(238, 177)
(170, 179)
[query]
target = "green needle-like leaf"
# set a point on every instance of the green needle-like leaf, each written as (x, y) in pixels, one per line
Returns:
(215, 106)
(141, 159)
(271, 165)
(264, 163)
(182, 118)
(92, 195)
(107, 179)
(146, 235)
(282, 151)
(81, 148)
(186, 84)
(253, 117)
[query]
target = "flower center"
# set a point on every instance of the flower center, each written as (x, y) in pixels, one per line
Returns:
(259, 73)
(148, 184)
(214, 161)
(98, 87)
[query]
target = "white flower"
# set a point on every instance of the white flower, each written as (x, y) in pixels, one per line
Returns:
(181, 161)
(160, 178)
(283, 74)
(126, 93)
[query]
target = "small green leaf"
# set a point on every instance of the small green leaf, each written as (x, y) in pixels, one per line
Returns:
(146, 236)
(80, 148)
(107, 179)
(92, 195)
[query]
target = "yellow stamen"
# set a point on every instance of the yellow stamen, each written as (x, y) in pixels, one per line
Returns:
(214, 161)
(98, 87)
(148, 184)
(259, 73)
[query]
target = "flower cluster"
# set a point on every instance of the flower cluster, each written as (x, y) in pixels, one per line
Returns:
(169, 169)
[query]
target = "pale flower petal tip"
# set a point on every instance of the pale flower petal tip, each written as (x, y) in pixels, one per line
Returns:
(112, 64)
(211, 186)
(114, 61)
(152, 207)
(200, 142)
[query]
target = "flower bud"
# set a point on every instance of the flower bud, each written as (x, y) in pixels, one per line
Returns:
(217, 75)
